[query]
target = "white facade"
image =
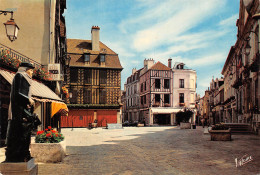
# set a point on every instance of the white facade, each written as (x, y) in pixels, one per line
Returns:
(184, 82)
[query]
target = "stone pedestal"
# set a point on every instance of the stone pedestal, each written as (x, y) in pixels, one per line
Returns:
(220, 135)
(114, 126)
(21, 168)
(185, 125)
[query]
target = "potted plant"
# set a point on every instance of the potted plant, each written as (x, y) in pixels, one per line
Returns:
(183, 118)
(220, 132)
(49, 146)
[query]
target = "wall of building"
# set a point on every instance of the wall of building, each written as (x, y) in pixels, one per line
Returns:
(36, 35)
(189, 89)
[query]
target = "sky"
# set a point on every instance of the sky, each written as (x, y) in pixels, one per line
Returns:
(198, 33)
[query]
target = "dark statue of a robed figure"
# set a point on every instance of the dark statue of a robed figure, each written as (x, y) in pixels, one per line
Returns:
(21, 119)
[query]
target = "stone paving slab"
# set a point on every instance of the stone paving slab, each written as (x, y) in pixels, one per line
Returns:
(154, 150)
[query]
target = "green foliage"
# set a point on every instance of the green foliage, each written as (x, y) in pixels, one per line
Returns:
(184, 116)
(49, 136)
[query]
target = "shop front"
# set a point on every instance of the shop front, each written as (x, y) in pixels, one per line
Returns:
(45, 100)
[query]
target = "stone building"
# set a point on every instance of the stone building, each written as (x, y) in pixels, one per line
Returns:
(216, 101)
(241, 69)
(132, 100)
(94, 82)
(184, 86)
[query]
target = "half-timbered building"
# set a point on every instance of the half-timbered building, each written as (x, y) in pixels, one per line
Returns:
(94, 83)
(156, 93)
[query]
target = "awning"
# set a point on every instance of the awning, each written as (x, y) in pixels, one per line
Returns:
(166, 110)
(38, 89)
(58, 107)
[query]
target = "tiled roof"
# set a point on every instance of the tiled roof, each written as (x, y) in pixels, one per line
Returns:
(76, 48)
(80, 46)
(159, 66)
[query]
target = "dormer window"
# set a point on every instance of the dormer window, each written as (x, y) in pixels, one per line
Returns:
(86, 57)
(102, 58)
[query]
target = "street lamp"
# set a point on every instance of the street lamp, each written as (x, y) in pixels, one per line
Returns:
(10, 26)
(247, 48)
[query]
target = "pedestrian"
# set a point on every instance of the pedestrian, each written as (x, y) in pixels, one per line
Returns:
(20, 116)
(203, 122)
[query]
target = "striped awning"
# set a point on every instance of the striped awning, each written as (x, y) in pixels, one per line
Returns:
(38, 89)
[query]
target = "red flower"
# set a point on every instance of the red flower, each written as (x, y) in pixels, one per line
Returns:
(53, 131)
(46, 129)
(49, 127)
(48, 135)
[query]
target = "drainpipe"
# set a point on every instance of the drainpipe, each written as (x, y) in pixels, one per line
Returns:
(50, 36)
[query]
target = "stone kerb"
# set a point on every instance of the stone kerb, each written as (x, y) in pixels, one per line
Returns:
(48, 152)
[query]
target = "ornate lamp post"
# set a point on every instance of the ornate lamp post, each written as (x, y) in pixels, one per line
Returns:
(10, 26)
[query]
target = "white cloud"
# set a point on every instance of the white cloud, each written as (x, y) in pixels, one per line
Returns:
(185, 18)
(231, 21)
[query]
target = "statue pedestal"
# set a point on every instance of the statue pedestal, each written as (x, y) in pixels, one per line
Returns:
(21, 168)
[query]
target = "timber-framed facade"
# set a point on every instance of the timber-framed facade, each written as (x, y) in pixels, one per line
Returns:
(94, 83)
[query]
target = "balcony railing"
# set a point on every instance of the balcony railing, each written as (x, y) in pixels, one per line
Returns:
(19, 56)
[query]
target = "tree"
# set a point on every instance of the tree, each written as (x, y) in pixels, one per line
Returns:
(184, 116)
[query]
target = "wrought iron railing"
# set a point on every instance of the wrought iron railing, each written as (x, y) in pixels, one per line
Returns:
(19, 56)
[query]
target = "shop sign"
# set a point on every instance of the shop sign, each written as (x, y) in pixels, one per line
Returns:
(54, 71)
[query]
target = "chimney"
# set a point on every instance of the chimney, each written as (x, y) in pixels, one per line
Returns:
(133, 70)
(148, 63)
(170, 63)
(95, 38)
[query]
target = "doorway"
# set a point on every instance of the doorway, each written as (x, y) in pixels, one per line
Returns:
(162, 119)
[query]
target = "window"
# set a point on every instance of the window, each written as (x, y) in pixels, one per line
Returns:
(135, 89)
(73, 99)
(142, 100)
(145, 99)
(102, 58)
(145, 86)
(73, 75)
(157, 83)
(166, 84)
(166, 98)
(87, 96)
(102, 96)
(87, 76)
(86, 57)
(102, 77)
(157, 98)
(142, 87)
(181, 98)
(181, 83)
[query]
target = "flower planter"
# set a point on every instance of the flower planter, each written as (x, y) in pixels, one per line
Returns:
(185, 125)
(220, 135)
(48, 152)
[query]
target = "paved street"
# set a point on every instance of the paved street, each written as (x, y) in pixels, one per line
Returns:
(154, 150)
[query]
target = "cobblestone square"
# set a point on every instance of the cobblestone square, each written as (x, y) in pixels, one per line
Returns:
(154, 150)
